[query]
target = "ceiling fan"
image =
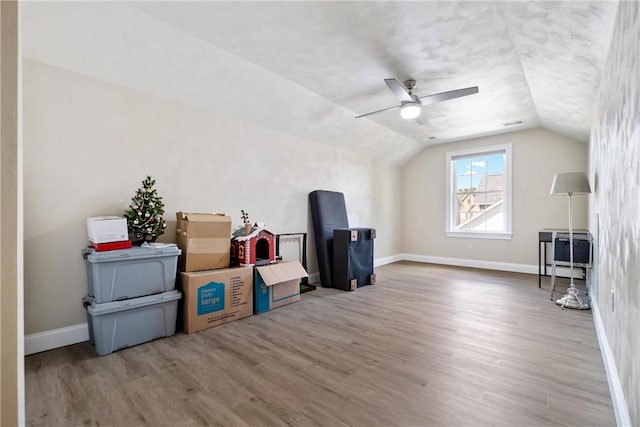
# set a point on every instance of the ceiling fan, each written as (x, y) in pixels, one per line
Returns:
(411, 105)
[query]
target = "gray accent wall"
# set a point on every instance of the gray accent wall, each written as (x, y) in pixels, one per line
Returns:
(615, 202)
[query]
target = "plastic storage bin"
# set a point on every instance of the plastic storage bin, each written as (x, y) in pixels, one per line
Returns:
(130, 273)
(121, 324)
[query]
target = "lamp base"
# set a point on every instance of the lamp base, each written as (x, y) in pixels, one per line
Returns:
(572, 300)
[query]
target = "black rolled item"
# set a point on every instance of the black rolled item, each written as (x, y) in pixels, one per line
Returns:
(328, 212)
(353, 258)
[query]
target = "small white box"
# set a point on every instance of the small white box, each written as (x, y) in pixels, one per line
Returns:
(105, 229)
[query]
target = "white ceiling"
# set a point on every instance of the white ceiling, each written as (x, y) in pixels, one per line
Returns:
(538, 62)
(307, 68)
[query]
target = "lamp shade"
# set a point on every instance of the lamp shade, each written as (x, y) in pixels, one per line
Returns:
(570, 183)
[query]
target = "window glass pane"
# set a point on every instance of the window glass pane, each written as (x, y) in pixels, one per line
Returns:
(494, 221)
(463, 182)
(462, 166)
(494, 198)
(495, 163)
(479, 164)
(478, 193)
(481, 202)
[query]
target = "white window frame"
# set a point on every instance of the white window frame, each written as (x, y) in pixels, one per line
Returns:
(450, 201)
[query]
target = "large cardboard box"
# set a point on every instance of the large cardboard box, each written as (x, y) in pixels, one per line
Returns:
(205, 240)
(276, 285)
(215, 297)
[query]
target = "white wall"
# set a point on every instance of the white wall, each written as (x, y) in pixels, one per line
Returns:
(89, 143)
(112, 94)
(537, 154)
(615, 209)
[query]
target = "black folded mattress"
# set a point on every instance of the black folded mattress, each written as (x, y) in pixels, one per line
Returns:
(328, 212)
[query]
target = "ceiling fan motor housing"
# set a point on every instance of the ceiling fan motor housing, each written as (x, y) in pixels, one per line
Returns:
(410, 85)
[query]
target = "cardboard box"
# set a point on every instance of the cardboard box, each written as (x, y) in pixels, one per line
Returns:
(276, 285)
(104, 229)
(205, 240)
(216, 297)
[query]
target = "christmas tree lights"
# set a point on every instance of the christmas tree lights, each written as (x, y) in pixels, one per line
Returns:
(145, 216)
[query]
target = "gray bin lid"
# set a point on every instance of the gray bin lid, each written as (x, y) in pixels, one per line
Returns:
(96, 309)
(137, 252)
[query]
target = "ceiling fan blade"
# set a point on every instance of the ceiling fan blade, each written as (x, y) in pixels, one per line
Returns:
(378, 111)
(445, 96)
(421, 120)
(397, 88)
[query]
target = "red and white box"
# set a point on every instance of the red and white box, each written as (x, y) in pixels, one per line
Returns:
(111, 246)
(107, 229)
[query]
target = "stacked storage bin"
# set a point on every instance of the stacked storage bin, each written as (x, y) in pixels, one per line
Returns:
(132, 297)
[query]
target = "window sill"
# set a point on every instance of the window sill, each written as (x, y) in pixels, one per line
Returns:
(479, 235)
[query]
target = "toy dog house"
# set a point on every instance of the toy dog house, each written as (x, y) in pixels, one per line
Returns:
(258, 247)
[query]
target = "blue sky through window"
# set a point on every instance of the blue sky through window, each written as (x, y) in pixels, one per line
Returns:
(470, 170)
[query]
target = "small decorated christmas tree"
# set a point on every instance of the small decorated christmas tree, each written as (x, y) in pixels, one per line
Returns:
(145, 220)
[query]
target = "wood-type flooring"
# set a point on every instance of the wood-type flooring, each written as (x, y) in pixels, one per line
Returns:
(427, 345)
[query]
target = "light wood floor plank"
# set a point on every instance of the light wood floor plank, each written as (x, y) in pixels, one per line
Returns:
(427, 345)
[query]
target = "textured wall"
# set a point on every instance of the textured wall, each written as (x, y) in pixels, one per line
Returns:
(538, 154)
(88, 144)
(615, 170)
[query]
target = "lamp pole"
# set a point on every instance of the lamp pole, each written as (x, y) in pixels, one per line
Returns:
(571, 240)
(571, 183)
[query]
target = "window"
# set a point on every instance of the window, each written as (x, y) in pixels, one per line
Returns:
(479, 193)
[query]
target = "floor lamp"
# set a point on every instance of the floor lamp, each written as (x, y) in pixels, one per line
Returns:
(570, 184)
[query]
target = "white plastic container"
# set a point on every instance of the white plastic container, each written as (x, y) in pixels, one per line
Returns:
(121, 324)
(130, 273)
(104, 229)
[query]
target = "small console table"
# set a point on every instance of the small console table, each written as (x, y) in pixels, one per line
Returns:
(545, 237)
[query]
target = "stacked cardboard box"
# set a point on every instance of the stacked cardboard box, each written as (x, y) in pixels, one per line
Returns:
(215, 294)
(204, 239)
(216, 297)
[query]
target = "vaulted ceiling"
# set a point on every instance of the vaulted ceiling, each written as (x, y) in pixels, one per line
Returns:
(308, 68)
(534, 62)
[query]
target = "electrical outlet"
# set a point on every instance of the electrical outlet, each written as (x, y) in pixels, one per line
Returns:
(613, 300)
(469, 245)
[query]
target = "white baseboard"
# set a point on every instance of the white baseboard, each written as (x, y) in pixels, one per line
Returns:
(55, 338)
(48, 340)
(461, 262)
(620, 407)
(387, 260)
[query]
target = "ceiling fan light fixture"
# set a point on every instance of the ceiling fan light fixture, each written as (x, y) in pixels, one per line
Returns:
(410, 110)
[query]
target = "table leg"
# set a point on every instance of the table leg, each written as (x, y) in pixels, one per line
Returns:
(539, 267)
